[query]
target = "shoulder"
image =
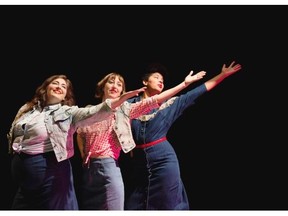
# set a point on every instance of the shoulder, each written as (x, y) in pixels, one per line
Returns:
(66, 109)
(23, 107)
(168, 103)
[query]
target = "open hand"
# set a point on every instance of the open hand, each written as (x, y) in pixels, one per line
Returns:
(231, 69)
(190, 79)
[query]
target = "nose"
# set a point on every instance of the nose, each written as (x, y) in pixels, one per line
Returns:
(59, 88)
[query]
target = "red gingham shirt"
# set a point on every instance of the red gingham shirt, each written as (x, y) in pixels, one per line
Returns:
(101, 139)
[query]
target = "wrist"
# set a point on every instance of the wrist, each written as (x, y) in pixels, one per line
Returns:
(185, 83)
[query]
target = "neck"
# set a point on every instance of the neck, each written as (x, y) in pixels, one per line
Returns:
(52, 103)
(147, 94)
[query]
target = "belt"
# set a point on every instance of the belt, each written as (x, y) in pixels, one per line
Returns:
(151, 143)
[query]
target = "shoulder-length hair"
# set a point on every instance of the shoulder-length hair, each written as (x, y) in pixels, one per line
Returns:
(101, 84)
(40, 96)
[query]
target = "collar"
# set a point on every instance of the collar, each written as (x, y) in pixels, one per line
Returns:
(52, 107)
(48, 107)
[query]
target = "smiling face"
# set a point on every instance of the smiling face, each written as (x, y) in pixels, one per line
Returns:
(113, 88)
(56, 91)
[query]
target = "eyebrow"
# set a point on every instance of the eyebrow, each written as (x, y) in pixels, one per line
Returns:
(62, 84)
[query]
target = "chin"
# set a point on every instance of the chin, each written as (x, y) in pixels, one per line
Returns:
(114, 96)
(158, 91)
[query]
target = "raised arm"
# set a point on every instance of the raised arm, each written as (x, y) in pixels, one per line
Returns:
(118, 101)
(225, 72)
(172, 91)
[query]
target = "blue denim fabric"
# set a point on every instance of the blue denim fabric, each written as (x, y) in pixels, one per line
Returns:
(45, 183)
(153, 179)
(102, 185)
(157, 180)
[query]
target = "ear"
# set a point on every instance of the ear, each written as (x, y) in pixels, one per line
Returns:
(144, 83)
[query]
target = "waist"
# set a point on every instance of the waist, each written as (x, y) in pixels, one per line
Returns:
(155, 142)
(98, 156)
(44, 154)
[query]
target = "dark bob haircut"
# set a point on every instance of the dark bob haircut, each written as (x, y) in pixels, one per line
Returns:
(153, 68)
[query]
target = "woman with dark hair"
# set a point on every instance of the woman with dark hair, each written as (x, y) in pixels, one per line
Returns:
(152, 179)
(41, 141)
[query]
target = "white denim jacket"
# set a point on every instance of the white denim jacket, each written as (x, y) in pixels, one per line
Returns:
(61, 124)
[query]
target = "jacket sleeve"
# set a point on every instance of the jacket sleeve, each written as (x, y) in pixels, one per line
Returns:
(88, 115)
(10, 137)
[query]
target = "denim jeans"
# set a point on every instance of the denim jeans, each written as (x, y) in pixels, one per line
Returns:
(44, 183)
(102, 185)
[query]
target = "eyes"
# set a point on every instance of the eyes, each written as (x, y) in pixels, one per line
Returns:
(63, 85)
(119, 84)
(158, 77)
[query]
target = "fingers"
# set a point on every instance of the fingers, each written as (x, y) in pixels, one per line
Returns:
(232, 63)
(141, 89)
(201, 74)
(237, 67)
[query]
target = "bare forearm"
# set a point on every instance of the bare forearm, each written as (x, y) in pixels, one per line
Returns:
(210, 84)
(118, 101)
(225, 72)
(171, 92)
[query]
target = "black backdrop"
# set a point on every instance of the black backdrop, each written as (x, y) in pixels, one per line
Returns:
(231, 144)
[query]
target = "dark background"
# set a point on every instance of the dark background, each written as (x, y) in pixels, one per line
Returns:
(231, 144)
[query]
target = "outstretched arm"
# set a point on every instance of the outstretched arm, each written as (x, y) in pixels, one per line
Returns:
(118, 101)
(225, 72)
(172, 91)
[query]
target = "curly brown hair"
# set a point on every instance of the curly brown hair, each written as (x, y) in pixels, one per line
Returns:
(40, 95)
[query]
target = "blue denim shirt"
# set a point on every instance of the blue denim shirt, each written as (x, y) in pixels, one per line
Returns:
(61, 124)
